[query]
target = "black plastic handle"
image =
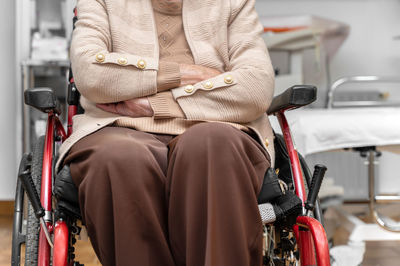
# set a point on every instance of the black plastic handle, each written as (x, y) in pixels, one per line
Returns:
(33, 196)
(318, 176)
(24, 174)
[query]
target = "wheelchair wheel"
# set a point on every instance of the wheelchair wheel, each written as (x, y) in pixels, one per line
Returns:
(18, 237)
(33, 224)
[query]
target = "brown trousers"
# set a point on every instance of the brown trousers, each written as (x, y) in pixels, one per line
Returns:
(149, 199)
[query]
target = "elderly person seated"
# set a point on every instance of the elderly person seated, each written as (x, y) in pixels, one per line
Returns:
(170, 154)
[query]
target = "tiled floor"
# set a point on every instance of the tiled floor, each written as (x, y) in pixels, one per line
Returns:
(383, 253)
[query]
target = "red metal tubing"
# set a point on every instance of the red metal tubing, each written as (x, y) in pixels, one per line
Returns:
(307, 251)
(46, 189)
(294, 157)
(319, 242)
(45, 195)
(44, 249)
(60, 251)
(305, 246)
(60, 129)
(309, 233)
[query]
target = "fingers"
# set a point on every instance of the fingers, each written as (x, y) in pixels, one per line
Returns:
(110, 107)
(119, 108)
(133, 108)
(140, 106)
(192, 74)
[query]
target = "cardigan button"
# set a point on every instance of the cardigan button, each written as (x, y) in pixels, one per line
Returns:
(100, 58)
(122, 61)
(141, 64)
(266, 142)
(228, 79)
(208, 85)
(189, 89)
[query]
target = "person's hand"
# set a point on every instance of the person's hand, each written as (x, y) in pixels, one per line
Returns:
(139, 107)
(192, 74)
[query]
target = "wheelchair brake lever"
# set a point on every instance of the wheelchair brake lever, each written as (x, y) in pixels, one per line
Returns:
(318, 176)
(24, 174)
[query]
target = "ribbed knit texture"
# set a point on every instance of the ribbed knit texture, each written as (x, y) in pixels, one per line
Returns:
(168, 76)
(225, 35)
(165, 106)
(174, 50)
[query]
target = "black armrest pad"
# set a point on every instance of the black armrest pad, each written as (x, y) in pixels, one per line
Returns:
(42, 99)
(294, 97)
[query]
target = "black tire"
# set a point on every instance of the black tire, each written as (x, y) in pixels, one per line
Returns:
(18, 237)
(33, 224)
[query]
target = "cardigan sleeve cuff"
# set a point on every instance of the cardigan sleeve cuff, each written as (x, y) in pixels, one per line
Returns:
(169, 76)
(164, 106)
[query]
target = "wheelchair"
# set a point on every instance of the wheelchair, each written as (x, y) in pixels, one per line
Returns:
(47, 224)
(53, 211)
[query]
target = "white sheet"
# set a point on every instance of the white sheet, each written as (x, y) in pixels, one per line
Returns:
(317, 130)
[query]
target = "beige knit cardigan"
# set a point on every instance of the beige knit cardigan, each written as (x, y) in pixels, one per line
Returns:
(115, 57)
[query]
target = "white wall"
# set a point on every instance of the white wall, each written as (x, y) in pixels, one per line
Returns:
(7, 101)
(370, 48)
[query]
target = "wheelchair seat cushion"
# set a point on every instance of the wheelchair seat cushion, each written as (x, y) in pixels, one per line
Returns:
(71, 209)
(64, 187)
(270, 188)
(283, 211)
(287, 208)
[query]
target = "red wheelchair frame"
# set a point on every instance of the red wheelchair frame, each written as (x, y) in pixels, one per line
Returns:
(309, 233)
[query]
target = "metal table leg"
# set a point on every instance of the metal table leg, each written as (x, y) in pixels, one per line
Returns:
(381, 220)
